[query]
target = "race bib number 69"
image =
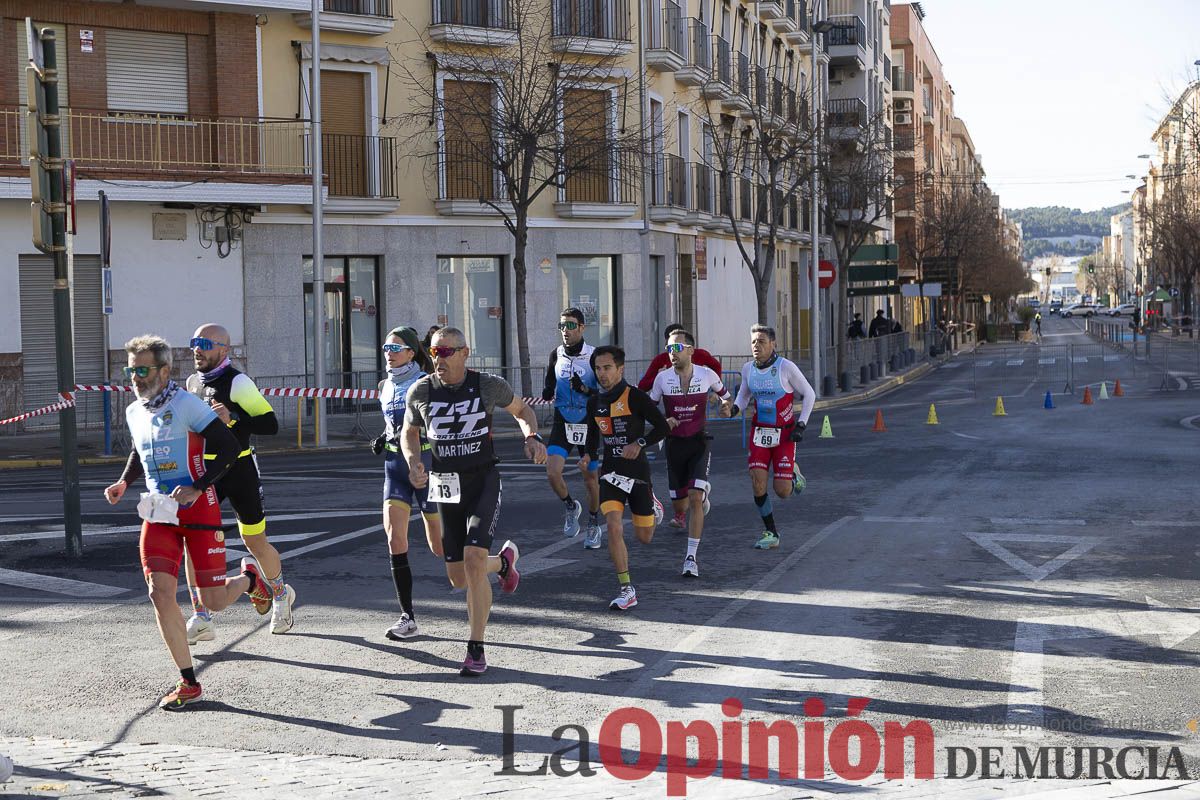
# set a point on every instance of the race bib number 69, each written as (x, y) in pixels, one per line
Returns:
(445, 487)
(767, 438)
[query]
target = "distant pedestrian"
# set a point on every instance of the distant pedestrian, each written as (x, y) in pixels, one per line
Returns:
(855, 330)
(879, 325)
(429, 336)
(895, 326)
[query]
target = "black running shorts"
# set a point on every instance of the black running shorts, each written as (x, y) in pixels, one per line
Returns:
(473, 521)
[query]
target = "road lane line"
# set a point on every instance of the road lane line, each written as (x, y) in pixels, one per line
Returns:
(1036, 521)
(49, 583)
(904, 520)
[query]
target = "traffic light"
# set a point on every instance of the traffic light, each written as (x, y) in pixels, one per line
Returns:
(42, 130)
(1091, 269)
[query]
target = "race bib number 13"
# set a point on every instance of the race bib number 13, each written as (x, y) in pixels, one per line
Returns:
(576, 434)
(767, 438)
(445, 487)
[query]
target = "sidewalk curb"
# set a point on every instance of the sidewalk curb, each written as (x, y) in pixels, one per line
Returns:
(891, 383)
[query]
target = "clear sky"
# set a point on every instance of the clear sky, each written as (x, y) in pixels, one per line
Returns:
(1061, 96)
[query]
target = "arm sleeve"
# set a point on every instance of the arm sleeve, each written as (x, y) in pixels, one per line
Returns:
(593, 431)
(133, 468)
(224, 447)
(743, 395)
(706, 359)
(551, 380)
(718, 387)
(649, 412)
(655, 365)
(800, 385)
(261, 419)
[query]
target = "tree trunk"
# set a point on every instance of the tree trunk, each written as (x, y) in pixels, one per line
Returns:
(762, 288)
(521, 241)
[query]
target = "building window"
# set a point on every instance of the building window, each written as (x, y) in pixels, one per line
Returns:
(589, 284)
(352, 320)
(468, 117)
(146, 71)
(586, 119)
(470, 296)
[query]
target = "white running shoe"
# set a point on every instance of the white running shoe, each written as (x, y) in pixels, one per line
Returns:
(200, 629)
(690, 567)
(626, 600)
(281, 613)
(571, 519)
(405, 628)
(591, 540)
(658, 510)
(707, 505)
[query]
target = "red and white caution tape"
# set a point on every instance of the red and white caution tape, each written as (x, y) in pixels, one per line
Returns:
(50, 409)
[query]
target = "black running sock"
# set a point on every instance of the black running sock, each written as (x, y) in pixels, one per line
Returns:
(402, 578)
(475, 648)
(568, 501)
(189, 675)
(764, 509)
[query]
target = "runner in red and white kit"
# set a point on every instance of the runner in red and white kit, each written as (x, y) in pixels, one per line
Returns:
(683, 391)
(773, 383)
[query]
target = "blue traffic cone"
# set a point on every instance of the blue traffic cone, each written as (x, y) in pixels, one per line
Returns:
(1049, 400)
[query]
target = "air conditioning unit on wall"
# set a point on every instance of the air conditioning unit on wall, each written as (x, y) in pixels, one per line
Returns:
(904, 105)
(904, 119)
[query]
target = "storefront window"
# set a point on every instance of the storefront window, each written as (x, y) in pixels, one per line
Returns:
(470, 297)
(588, 283)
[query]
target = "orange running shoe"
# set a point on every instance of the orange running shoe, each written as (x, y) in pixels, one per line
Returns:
(261, 596)
(184, 694)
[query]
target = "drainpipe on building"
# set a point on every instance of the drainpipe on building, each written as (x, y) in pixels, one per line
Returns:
(814, 287)
(318, 221)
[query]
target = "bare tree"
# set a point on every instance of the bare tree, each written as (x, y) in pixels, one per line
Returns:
(855, 172)
(757, 153)
(530, 114)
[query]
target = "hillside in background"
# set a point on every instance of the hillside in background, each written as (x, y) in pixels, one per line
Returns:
(1050, 230)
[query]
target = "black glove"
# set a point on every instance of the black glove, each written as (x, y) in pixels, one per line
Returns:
(577, 384)
(798, 431)
(377, 445)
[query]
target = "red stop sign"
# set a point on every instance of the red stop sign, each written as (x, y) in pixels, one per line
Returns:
(826, 274)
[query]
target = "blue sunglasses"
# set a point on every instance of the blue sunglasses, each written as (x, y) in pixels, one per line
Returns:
(201, 343)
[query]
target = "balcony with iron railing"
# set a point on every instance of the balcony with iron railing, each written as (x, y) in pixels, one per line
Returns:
(902, 80)
(793, 23)
(668, 40)
(591, 27)
(846, 42)
(362, 167)
(703, 195)
(904, 144)
(850, 112)
(720, 83)
(166, 147)
(698, 66)
(372, 17)
(468, 183)
(474, 22)
(669, 200)
(599, 183)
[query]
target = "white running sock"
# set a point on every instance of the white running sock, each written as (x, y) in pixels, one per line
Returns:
(692, 545)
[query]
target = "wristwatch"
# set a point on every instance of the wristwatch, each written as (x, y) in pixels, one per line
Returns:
(641, 443)
(536, 436)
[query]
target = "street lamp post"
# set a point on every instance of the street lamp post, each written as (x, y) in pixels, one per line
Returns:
(822, 27)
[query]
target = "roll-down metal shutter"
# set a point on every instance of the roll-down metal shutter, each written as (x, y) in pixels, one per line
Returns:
(146, 71)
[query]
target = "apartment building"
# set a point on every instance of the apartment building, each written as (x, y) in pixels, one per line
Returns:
(161, 110)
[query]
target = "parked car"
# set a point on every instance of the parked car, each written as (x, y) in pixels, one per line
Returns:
(1055, 306)
(1079, 310)
(1035, 303)
(1123, 310)
(1103, 311)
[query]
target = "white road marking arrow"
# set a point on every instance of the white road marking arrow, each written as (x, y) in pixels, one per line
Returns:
(992, 543)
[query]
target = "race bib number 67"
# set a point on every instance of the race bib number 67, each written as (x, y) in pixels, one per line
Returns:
(445, 487)
(767, 438)
(576, 434)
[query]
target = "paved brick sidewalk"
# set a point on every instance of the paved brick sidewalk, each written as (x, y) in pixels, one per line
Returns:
(47, 767)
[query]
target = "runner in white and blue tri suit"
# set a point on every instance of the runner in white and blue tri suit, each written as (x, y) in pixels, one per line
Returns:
(773, 383)
(407, 363)
(569, 382)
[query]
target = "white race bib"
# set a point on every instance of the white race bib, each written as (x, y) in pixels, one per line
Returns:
(625, 484)
(445, 487)
(576, 434)
(767, 438)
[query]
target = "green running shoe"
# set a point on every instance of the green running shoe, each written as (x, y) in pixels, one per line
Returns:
(769, 541)
(798, 480)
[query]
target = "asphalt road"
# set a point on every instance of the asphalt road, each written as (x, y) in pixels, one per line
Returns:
(1009, 579)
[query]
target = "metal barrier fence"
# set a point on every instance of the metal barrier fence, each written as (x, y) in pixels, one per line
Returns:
(1161, 360)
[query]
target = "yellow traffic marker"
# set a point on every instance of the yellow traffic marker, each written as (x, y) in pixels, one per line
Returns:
(932, 418)
(999, 412)
(1103, 390)
(826, 429)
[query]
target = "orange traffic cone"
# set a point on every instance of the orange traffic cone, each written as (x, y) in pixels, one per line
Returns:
(1117, 390)
(879, 426)
(1087, 396)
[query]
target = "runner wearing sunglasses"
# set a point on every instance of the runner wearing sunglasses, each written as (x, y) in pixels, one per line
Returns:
(772, 383)
(683, 391)
(569, 382)
(171, 430)
(237, 402)
(454, 407)
(662, 361)
(622, 422)
(407, 363)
